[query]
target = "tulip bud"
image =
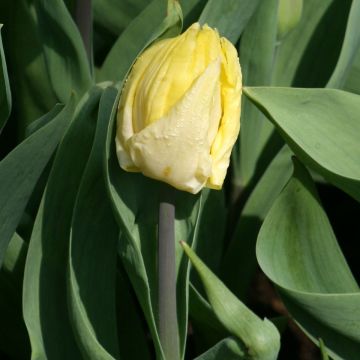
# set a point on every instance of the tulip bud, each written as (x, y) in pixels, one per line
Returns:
(289, 15)
(179, 112)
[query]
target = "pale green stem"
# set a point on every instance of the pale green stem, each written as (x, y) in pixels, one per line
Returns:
(168, 324)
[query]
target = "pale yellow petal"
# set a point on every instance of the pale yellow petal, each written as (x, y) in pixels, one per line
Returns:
(175, 149)
(231, 87)
(179, 113)
(125, 127)
(173, 72)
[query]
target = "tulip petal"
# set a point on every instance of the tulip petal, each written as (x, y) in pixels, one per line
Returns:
(172, 72)
(179, 113)
(125, 128)
(175, 148)
(230, 122)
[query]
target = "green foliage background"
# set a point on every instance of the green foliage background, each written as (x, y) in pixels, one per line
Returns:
(78, 251)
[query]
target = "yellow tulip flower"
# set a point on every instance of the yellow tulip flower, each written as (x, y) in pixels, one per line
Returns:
(179, 112)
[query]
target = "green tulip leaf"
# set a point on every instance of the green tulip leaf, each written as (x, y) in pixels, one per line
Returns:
(228, 349)
(45, 309)
(321, 126)
(94, 237)
(21, 169)
(153, 22)
(298, 251)
(260, 338)
(350, 47)
(239, 262)
(257, 51)
(66, 60)
(5, 94)
(230, 17)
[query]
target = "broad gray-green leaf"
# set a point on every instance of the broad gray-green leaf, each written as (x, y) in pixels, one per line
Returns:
(46, 314)
(350, 47)
(67, 63)
(239, 263)
(257, 51)
(260, 338)
(228, 16)
(228, 349)
(298, 251)
(20, 170)
(5, 94)
(322, 128)
(93, 241)
(153, 22)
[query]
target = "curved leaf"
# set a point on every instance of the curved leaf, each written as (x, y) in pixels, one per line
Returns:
(239, 263)
(44, 294)
(65, 56)
(300, 254)
(322, 128)
(20, 170)
(93, 241)
(260, 338)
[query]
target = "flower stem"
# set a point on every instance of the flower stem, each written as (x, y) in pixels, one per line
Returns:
(83, 19)
(168, 324)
